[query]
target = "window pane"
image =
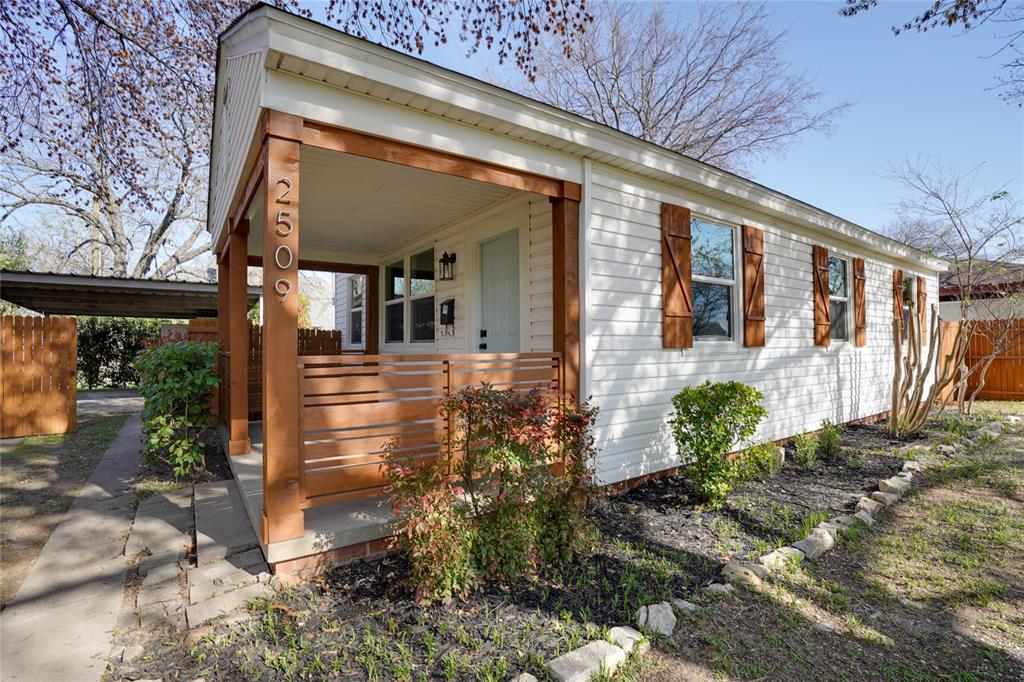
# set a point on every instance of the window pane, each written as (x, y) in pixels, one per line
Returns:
(837, 277)
(394, 281)
(712, 312)
(423, 319)
(712, 250)
(839, 330)
(357, 285)
(355, 330)
(908, 288)
(422, 273)
(394, 329)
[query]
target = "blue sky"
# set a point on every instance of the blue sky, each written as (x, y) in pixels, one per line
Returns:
(913, 95)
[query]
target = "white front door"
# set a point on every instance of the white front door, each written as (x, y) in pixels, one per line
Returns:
(499, 295)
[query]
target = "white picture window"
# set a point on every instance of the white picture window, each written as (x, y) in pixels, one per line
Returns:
(714, 279)
(409, 299)
(839, 298)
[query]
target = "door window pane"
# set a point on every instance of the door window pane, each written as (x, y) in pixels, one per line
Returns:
(712, 250)
(355, 332)
(423, 319)
(421, 273)
(712, 309)
(394, 281)
(394, 318)
(357, 285)
(838, 330)
(837, 277)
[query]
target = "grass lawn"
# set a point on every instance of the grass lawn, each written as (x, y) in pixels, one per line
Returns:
(936, 591)
(39, 480)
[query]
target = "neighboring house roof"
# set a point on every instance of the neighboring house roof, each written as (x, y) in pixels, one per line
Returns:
(987, 277)
(51, 293)
(313, 50)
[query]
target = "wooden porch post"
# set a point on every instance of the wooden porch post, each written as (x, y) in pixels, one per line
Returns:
(565, 224)
(238, 339)
(223, 342)
(282, 495)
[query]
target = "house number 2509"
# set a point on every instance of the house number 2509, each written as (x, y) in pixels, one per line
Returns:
(283, 256)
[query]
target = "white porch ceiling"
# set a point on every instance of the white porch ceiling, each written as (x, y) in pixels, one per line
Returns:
(353, 206)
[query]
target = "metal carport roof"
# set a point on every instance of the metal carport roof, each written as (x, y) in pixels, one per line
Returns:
(60, 294)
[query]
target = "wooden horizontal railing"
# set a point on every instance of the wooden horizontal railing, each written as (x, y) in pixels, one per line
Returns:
(359, 411)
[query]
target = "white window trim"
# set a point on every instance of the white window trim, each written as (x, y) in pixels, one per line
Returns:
(735, 302)
(846, 318)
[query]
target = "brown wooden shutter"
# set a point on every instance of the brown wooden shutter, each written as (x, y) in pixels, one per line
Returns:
(897, 295)
(822, 316)
(753, 287)
(860, 311)
(676, 285)
(922, 309)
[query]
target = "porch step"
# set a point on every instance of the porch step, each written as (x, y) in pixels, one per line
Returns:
(222, 526)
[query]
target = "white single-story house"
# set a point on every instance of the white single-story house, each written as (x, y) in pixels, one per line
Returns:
(586, 261)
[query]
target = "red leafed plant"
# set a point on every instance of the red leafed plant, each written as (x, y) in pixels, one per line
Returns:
(506, 496)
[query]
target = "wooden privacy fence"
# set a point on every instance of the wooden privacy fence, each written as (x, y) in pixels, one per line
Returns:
(311, 342)
(1004, 379)
(38, 359)
(360, 410)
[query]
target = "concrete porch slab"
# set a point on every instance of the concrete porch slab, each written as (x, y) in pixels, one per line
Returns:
(222, 525)
(327, 528)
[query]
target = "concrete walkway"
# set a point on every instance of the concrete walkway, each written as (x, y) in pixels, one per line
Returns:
(58, 626)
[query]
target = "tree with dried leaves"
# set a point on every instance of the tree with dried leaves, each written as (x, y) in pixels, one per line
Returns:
(981, 234)
(105, 105)
(1005, 17)
(714, 88)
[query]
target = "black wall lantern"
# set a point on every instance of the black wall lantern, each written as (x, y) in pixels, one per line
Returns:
(447, 262)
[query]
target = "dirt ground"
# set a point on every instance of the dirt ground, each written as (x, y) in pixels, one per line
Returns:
(936, 591)
(39, 479)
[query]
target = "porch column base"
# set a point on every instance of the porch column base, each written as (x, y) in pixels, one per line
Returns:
(282, 527)
(239, 447)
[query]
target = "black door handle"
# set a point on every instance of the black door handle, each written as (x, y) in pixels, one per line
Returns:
(483, 346)
(483, 333)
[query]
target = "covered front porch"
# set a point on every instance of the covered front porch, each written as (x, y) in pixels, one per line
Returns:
(310, 419)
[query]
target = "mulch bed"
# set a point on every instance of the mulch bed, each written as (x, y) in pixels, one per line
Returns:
(655, 544)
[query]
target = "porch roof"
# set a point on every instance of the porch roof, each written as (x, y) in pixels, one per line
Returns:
(62, 294)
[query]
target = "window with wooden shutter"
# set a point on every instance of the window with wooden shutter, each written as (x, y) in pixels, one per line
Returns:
(897, 295)
(822, 317)
(860, 311)
(753, 287)
(922, 309)
(676, 279)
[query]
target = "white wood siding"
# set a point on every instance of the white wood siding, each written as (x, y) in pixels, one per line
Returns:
(236, 124)
(632, 379)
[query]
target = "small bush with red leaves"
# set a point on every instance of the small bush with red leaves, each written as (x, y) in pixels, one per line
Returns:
(506, 497)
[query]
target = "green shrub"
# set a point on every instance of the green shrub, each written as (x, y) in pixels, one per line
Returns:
(500, 511)
(805, 450)
(829, 441)
(107, 347)
(710, 420)
(176, 381)
(757, 461)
